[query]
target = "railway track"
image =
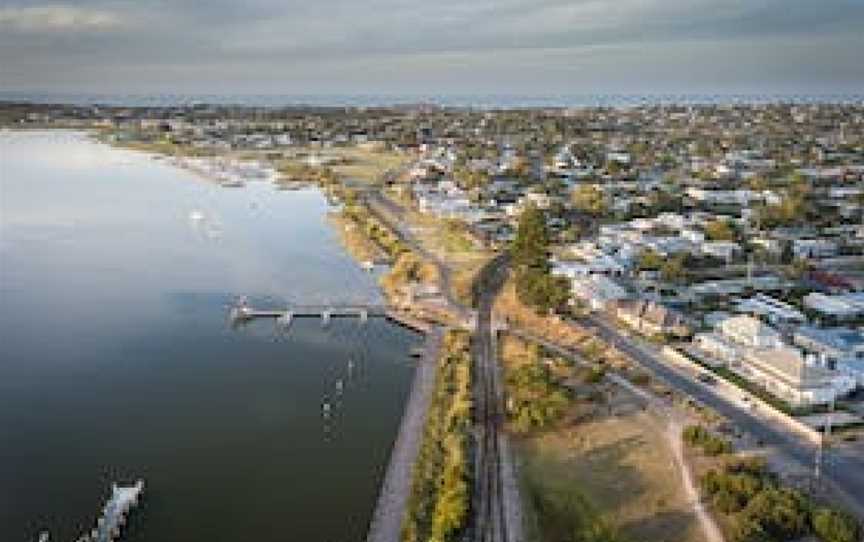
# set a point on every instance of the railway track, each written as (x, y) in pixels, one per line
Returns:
(491, 519)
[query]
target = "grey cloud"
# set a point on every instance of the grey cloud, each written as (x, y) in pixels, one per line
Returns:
(53, 18)
(334, 44)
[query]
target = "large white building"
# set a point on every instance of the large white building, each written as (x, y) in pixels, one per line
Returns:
(756, 351)
(785, 373)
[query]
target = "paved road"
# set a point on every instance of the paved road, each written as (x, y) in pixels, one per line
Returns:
(386, 210)
(496, 502)
(844, 469)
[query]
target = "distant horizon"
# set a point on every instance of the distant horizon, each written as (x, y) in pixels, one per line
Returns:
(157, 99)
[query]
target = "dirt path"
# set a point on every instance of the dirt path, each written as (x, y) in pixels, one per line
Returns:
(673, 435)
(673, 429)
(709, 526)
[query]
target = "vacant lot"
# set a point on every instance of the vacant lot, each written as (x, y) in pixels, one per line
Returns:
(606, 474)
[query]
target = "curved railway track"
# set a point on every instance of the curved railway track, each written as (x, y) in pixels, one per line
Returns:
(491, 520)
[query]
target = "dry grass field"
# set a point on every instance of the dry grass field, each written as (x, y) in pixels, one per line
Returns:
(615, 472)
(605, 472)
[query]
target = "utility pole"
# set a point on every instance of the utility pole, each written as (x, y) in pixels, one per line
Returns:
(820, 451)
(750, 270)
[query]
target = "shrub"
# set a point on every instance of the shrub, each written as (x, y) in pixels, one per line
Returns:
(833, 526)
(698, 436)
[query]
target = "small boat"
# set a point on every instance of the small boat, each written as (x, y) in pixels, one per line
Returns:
(367, 265)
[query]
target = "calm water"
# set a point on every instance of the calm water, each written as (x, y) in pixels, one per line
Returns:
(116, 360)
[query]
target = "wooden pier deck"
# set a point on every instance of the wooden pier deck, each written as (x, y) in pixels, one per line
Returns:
(245, 313)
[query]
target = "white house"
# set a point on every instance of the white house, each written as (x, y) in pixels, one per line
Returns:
(840, 306)
(597, 291)
(750, 332)
(814, 248)
(724, 250)
(775, 311)
(839, 348)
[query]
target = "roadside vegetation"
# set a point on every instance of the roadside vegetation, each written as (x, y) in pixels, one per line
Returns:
(593, 465)
(536, 395)
(535, 284)
(437, 508)
(753, 505)
(371, 227)
(701, 438)
(408, 269)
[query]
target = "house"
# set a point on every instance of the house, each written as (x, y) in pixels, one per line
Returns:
(838, 348)
(722, 197)
(750, 332)
(597, 291)
(732, 336)
(694, 236)
(775, 311)
(652, 318)
(722, 250)
(839, 306)
(814, 248)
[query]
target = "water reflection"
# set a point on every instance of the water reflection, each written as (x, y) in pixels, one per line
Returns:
(139, 374)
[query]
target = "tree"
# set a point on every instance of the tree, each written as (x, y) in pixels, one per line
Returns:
(758, 183)
(719, 230)
(649, 260)
(673, 269)
(589, 199)
(532, 240)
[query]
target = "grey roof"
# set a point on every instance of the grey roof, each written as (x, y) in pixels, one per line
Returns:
(840, 338)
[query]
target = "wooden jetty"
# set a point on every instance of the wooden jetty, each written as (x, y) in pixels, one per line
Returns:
(243, 312)
(113, 518)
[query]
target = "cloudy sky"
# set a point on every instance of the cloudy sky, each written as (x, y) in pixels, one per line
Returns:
(432, 47)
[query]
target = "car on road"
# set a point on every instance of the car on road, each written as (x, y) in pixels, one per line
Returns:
(706, 378)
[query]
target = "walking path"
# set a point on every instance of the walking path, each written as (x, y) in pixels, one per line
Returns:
(674, 428)
(709, 526)
(387, 519)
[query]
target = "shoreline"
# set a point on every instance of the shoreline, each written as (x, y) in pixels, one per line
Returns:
(387, 516)
(386, 522)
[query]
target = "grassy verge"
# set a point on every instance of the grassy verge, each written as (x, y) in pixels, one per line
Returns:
(451, 243)
(355, 242)
(439, 500)
(556, 330)
(356, 163)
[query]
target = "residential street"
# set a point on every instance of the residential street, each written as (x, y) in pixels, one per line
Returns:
(843, 468)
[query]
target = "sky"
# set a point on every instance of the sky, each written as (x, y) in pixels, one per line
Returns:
(440, 47)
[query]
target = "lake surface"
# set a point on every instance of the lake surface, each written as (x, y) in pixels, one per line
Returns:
(117, 361)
